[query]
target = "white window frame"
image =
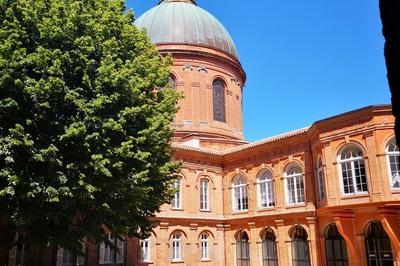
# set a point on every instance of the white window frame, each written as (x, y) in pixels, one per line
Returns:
(204, 194)
(145, 250)
(321, 179)
(240, 195)
(265, 184)
(177, 247)
(109, 256)
(204, 246)
(353, 160)
(176, 203)
(390, 154)
(296, 178)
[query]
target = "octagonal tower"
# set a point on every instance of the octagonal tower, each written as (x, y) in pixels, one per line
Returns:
(206, 69)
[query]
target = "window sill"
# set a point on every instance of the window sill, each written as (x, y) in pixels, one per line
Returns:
(177, 261)
(177, 209)
(266, 209)
(239, 212)
(205, 210)
(206, 260)
(146, 262)
(355, 196)
(296, 205)
(395, 191)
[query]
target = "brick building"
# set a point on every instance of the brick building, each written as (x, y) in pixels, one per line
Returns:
(328, 194)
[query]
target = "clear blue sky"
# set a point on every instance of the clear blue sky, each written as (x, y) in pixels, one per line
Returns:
(305, 60)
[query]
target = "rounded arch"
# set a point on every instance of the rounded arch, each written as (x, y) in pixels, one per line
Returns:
(353, 143)
(298, 230)
(183, 176)
(386, 140)
(175, 74)
(293, 168)
(391, 145)
(219, 77)
(205, 176)
(239, 232)
(269, 233)
(177, 231)
(238, 175)
(265, 171)
(291, 162)
(263, 230)
(331, 230)
(208, 232)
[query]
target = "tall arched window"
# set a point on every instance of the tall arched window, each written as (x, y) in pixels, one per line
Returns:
(321, 181)
(177, 246)
(393, 160)
(172, 81)
(300, 250)
(239, 194)
(177, 199)
(265, 190)
(377, 244)
(294, 181)
(242, 249)
(335, 247)
(352, 167)
(204, 195)
(270, 256)
(219, 100)
(204, 246)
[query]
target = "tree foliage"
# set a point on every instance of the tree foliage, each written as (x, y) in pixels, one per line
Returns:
(84, 135)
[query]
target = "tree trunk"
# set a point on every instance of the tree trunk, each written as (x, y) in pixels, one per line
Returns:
(390, 15)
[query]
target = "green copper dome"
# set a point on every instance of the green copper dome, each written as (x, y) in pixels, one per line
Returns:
(183, 22)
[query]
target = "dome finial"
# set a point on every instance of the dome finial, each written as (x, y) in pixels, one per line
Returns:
(183, 1)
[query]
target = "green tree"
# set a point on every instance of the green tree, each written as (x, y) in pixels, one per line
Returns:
(84, 133)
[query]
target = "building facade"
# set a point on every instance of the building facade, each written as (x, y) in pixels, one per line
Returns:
(328, 194)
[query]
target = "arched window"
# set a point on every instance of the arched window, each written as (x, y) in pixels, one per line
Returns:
(239, 194)
(108, 255)
(242, 249)
(204, 246)
(378, 247)
(219, 100)
(352, 167)
(145, 250)
(265, 189)
(300, 250)
(393, 160)
(177, 246)
(294, 185)
(177, 199)
(204, 195)
(335, 246)
(321, 181)
(270, 257)
(172, 82)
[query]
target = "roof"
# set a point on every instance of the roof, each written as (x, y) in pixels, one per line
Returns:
(183, 22)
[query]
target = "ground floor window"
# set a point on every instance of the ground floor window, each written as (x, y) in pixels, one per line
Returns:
(300, 249)
(377, 244)
(335, 247)
(108, 255)
(270, 257)
(242, 249)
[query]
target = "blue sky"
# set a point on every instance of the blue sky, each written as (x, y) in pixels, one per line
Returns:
(305, 60)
